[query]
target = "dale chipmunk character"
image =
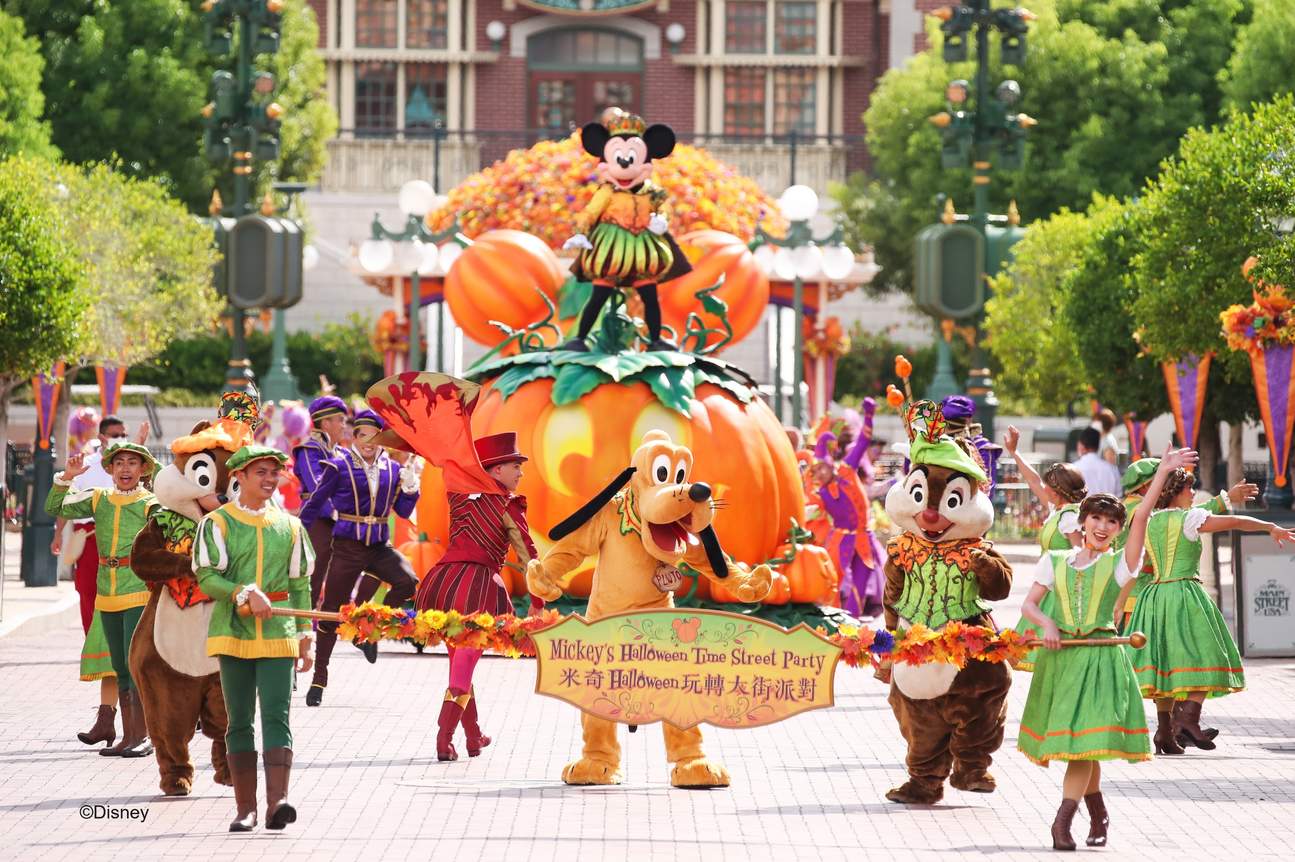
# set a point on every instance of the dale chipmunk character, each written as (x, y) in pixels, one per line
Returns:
(649, 520)
(941, 570)
(623, 237)
(178, 682)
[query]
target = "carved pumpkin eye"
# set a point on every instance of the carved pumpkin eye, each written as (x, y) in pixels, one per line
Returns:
(661, 469)
(201, 471)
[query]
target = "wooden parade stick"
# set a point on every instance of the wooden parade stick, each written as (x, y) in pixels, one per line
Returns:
(324, 616)
(1137, 640)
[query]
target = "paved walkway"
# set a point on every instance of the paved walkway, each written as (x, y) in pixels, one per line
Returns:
(368, 786)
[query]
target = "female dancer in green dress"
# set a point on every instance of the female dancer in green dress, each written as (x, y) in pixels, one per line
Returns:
(1190, 653)
(1084, 705)
(1062, 488)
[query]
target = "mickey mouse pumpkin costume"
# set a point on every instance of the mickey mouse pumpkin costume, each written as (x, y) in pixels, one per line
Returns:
(623, 234)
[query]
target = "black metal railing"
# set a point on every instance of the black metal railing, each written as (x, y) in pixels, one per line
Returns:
(494, 144)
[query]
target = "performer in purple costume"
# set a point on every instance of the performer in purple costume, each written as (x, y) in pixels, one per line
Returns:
(855, 550)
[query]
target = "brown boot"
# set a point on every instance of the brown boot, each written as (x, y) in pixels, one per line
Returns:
(1098, 819)
(126, 702)
(1061, 839)
(1164, 739)
(134, 728)
(278, 810)
(1187, 723)
(451, 712)
(105, 727)
(476, 740)
(242, 768)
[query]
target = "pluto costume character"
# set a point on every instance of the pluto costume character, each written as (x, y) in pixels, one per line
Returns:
(647, 521)
(941, 570)
(178, 682)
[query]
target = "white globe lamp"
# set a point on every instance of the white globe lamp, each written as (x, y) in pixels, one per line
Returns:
(784, 264)
(417, 198)
(838, 262)
(808, 261)
(409, 256)
(449, 253)
(376, 255)
(798, 203)
(430, 258)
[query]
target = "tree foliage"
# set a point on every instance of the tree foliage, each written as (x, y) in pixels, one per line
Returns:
(1263, 65)
(1212, 207)
(1024, 324)
(146, 266)
(125, 81)
(1113, 84)
(38, 276)
(21, 102)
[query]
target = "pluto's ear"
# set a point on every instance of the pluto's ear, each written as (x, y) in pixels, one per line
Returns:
(714, 553)
(589, 509)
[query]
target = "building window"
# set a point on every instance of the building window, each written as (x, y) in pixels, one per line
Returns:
(744, 100)
(555, 103)
(746, 27)
(425, 96)
(794, 28)
(794, 103)
(427, 23)
(375, 97)
(584, 50)
(376, 23)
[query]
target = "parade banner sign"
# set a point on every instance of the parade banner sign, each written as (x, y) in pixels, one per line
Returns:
(685, 667)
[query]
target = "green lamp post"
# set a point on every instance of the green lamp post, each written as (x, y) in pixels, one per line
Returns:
(261, 257)
(955, 257)
(417, 252)
(798, 257)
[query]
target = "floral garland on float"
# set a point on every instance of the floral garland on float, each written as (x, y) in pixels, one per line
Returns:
(510, 636)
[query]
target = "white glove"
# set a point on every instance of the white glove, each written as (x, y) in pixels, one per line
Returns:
(410, 475)
(577, 241)
(658, 224)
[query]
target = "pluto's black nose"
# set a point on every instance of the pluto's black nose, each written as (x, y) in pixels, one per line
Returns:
(698, 492)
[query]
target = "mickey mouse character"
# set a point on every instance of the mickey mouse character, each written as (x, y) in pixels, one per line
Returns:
(623, 237)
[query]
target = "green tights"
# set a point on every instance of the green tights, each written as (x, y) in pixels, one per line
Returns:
(243, 680)
(119, 628)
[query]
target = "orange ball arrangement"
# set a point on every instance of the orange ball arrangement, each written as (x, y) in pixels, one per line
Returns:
(501, 276)
(541, 189)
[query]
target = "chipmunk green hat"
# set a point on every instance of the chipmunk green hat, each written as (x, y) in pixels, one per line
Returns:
(931, 446)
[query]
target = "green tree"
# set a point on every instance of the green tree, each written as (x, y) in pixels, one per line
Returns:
(126, 81)
(1212, 207)
(1026, 331)
(21, 101)
(1096, 311)
(39, 278)
(1263, 65)
(1113, 85)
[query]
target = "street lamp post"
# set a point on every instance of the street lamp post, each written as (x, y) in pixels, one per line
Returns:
(280, 384)
(799, 257)
(414, 251)
(973, 137)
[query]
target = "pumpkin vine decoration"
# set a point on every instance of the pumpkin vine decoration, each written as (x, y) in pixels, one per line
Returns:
(673, 375)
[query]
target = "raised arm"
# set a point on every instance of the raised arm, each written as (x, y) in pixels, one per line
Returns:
(1133, 547)
(860, 447)
(1028, 473)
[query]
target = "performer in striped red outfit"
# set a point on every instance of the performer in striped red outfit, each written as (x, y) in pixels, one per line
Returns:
(432, 414)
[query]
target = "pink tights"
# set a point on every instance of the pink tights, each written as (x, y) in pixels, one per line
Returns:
(462, 663)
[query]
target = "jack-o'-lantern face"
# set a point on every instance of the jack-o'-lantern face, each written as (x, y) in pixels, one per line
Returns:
(739, 450)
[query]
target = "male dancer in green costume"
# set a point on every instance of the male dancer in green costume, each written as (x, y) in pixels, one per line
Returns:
(251, 556)
(119, 514)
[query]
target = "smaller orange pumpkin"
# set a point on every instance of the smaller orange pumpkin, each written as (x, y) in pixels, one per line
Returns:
(903, 368)
(717, 255)
(500, 277)
(812, 575)
(422, 555)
